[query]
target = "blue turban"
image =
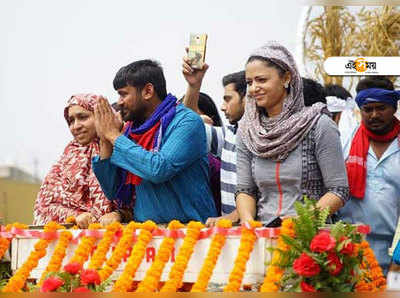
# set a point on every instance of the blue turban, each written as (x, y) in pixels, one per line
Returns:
(370, 95)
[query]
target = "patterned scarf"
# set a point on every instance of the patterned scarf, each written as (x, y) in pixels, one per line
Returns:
(275, 138)
(149, 136)
(71, 187)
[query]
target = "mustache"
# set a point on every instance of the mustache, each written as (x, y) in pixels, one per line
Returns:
(375, 121)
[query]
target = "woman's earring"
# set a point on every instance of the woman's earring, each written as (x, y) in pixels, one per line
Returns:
(286, 85)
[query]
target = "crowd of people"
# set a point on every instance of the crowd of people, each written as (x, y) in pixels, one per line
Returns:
(154, 157)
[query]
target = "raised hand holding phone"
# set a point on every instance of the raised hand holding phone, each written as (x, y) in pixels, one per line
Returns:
(197, 50)
(193, 77)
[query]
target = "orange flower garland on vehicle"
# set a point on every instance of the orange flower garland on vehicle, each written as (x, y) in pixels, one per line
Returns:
(373, 279)
(217, 243)
(175, 276)
(5, 242)
(99, 256)
(58, 255)
(70, 220)
(247, 240)
(124, 282)
(17, 281)
(85, 246)
(119, 252)
(274, 272)
(153, 275)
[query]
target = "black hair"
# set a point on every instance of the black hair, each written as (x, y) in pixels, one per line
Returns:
(238, 79)
(338, 91)
(375, 82)
(313, 92)
(269, 63)
(140, 73)
(207, 107)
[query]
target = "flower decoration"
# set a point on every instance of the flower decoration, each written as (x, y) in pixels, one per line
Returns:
(247, 240)
(124, 282)
(217, 243)
(175, 276)
(153, 275)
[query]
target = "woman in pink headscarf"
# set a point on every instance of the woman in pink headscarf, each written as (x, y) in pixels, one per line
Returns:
(71, 188)
(284, 150)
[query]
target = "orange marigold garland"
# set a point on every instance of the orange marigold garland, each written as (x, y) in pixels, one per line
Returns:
(153, 274)
(119, 252)
(85, 246)
(5, 242)
(372, 278)
(99, 256)
(217, 243)
(274, 272)
(182, 259)
(247, 240)
(17, 281)
(58, 255)
(124, 282)
(70, 220)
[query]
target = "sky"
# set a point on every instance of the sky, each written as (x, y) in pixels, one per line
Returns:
(51, 50)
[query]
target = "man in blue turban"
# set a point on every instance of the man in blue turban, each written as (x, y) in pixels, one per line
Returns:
(373, 166)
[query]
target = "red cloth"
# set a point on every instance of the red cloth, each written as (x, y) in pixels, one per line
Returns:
(145, 140)
(356, 163)
(71, 187)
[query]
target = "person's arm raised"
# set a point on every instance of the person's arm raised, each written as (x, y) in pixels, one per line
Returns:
(194, 79)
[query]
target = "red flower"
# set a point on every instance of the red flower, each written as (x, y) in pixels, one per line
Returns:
(322, 242)
(305, 287)
(306, 266)
(73, 268)
(51, 284)
(364, 229)
(334, 264)
(348, 248)
(90, 276)
(81, 290)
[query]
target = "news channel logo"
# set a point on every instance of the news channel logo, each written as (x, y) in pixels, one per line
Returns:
(362, 66)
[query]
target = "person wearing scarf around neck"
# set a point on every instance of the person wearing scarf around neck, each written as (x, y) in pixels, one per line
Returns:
(285, 150)
(161, 155)
(373, 166)
(71, 188)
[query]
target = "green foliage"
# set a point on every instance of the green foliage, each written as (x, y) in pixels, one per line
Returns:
(311, 221)
(5, 273)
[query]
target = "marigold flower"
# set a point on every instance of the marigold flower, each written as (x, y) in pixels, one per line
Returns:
(175, 276)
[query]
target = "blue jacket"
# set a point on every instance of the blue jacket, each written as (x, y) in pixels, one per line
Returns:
(175, 181)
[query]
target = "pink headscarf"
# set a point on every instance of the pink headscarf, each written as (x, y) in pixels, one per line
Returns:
(275, 138)
(71, 187)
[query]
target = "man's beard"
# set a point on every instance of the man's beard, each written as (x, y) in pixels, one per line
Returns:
(137, 117)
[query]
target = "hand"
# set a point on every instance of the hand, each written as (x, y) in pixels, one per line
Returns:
(194, 77)
(207, 120)
(84, 219)
(212, 221)
(109, 218)
(108, 126)
(245, 219)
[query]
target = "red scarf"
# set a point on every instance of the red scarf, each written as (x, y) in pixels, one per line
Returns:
(145, 140)
(356, 163)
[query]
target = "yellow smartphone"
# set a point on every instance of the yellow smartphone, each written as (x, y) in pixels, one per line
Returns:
(197, 50)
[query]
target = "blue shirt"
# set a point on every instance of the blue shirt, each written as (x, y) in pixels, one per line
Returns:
(380, 208)
(175, 181)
